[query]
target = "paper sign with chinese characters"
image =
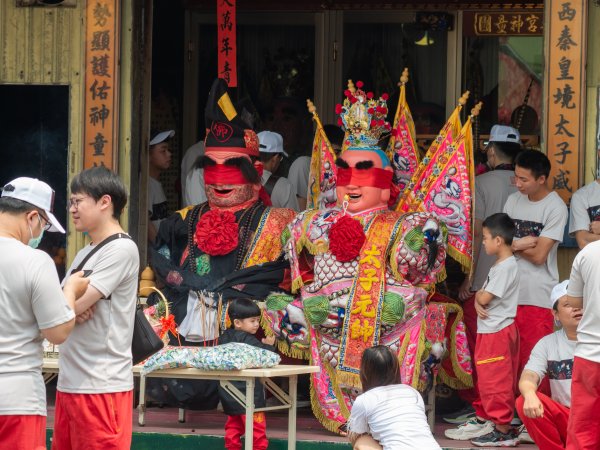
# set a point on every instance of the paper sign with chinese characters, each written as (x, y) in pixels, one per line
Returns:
(505, 23)
(226, 41)
(565, 95)
(101, 82)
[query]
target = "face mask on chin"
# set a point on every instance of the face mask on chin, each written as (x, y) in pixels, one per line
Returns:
(35, 242)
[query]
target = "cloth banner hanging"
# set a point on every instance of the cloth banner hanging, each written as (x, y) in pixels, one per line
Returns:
(226, 41)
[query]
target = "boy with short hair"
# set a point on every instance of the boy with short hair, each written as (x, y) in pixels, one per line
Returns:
(95, 384)
(245, 322)
(540, 216)
(497, 348)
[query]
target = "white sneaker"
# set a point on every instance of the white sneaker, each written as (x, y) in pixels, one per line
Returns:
(524, 437)
(469, 430)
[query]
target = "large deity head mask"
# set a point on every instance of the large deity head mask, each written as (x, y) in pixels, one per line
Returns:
(364, 173)
(232, 172)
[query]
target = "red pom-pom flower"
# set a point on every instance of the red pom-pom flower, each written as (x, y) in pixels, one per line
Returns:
(359, 84)
(346, 238)
(338, 109)
(385, 96)
(217, 233)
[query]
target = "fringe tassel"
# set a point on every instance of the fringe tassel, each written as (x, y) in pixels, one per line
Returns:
(297, 283)
(419, 356)
(441, 275)
(465, 378)
(282, 345)
(349, 379)
(317, 409)
(460, 258)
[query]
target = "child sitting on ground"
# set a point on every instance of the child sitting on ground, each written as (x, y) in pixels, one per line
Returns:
(497, 350)
(244, 315)
(388, 414)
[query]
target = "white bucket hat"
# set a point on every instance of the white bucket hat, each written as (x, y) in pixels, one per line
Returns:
(270, 142)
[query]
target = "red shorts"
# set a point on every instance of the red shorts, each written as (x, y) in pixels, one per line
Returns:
(93, 421)
(23, 432)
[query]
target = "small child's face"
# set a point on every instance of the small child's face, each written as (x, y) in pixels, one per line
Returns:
(491, 244)
(249, 325)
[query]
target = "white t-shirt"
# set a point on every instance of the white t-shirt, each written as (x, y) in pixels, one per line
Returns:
(189, 159)
(491, 191)
(30, 299)
(157, 202)
(585, 207)
(544, 218)
(394, 416)
(503, 282)
(553, 356)
(298, 175)
(194, 192)
(96, 359)
(585, 282)
(283, 195)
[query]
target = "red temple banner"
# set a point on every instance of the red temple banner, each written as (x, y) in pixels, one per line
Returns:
(101, 84)
(226, 41)
(565, 93)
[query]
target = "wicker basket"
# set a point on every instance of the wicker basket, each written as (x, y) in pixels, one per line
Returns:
(155, 318)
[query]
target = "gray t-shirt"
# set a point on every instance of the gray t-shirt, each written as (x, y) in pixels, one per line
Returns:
(96, 359)
(503, 283)
(585, 282)
(585, 207)
(491, 191)
(30, 299)
(157, 202)
(283, 195)
(299, 174)
(544, 218)
(553, 356)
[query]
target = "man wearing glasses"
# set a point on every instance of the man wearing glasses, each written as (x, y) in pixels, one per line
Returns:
(95, 383)
(33, 307)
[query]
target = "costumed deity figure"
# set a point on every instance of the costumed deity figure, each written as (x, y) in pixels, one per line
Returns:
(362, 273)
(228, 247)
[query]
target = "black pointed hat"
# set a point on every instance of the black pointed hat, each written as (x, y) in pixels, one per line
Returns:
(226, 131)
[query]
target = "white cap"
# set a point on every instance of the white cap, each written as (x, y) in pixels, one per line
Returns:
(504, 133)
(270, 142)
(560, 290)
(162, 136)
(36, 192)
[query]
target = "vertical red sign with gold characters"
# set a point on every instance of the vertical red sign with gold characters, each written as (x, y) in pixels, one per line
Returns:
(565, 93)
(101, 82)
(226, 41)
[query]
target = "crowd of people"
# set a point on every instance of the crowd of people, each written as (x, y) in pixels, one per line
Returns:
(534, 341)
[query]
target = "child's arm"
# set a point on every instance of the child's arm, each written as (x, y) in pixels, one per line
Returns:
(482, 299)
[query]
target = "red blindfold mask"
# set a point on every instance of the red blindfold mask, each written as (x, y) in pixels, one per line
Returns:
(223, 174)
(372, 177)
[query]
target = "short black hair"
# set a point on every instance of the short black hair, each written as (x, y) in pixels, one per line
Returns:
(379, 366)
(509, 150)
(535, 161)
(242, 308)
(266, 157)
(14, 206)
(500, 224)
(99, 181)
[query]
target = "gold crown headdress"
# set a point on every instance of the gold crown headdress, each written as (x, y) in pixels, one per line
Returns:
(363, 117)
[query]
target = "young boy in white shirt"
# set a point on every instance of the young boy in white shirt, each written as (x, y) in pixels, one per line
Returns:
(497, 349)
